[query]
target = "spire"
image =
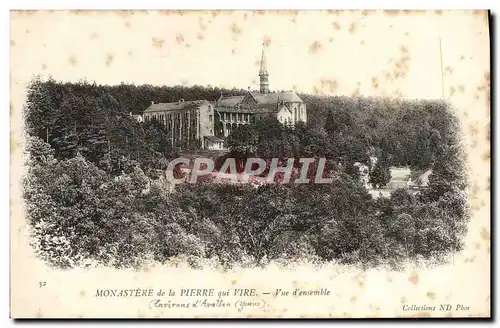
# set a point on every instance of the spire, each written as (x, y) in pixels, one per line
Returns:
(263, 62)
(263, 74)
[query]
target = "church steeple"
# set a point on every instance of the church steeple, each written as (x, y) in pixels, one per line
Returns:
(263, 74)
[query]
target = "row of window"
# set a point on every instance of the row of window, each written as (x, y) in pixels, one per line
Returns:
(236, 117)
(184, 137)
(287, 120)
(177, 119)
(169, 124)
(298, 111)
(168, 117)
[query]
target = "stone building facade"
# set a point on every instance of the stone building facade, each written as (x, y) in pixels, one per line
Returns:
(187, 122)
(208, 124)
(233, 111)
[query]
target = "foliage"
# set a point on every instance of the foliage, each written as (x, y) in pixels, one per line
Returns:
(380, 174)
(408, 133)
(93, 192)
(95, 121)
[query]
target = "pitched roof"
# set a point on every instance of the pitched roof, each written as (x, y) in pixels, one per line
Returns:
(265, 101)
(400, 174)
(273, 97)
(265, 108)
(423, 180)
(235, 110)
(230, 101)
(180, 105)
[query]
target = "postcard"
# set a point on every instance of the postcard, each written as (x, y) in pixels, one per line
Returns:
(250, 164)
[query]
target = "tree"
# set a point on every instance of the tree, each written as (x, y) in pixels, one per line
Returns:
(39, 151)
(401, 197)
(92, 191)
(380, 175)
(330, 125)
(63, 207)
(448, 174)
(267, 215)
(157, 138)
(243, 141)
(403, 230)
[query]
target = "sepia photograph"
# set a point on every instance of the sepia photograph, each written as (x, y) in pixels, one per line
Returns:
(250, 164)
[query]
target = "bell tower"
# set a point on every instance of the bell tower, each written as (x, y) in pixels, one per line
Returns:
(263, 74)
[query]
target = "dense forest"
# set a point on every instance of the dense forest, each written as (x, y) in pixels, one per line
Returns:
(93, 193)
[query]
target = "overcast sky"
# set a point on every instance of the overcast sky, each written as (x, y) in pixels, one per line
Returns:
(345, 53)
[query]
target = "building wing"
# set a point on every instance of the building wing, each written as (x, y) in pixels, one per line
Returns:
(174, 106)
